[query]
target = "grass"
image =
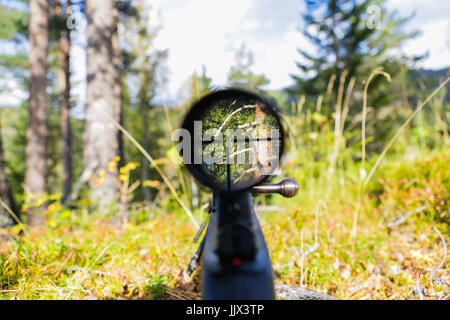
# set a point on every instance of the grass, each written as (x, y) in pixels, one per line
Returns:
(398, 251)
(95, 260)
(384, 261)
(90, 258)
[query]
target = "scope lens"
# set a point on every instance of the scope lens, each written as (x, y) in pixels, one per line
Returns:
(237, 140)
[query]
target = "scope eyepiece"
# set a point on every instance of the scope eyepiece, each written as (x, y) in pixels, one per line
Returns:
(287, 187)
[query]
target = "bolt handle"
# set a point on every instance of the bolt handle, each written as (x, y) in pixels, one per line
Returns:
(287, 187)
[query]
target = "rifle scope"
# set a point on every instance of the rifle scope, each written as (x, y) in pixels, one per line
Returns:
(235, 140)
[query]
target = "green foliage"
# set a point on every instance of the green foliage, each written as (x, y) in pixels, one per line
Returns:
(230, 114)
(345, 37)
(240, 74)
(200, 85)
(84, 256)
(157, 288)
(142, 61)
(14, 33)
(157, 145)
(408, 185)
(14, 126)
(12, 23)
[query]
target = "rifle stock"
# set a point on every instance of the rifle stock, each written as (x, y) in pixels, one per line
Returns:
(236, 262)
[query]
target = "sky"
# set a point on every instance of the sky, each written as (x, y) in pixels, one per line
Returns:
(208, 33)
(205, 32)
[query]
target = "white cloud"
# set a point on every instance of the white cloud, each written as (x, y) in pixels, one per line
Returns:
(277, 59)
(12, 93)
(205, 32)
(435, 40)
(208, 32)
(196, 34)
(432, 20)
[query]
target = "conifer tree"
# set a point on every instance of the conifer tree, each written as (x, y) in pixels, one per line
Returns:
(355, 36)
(37, 131)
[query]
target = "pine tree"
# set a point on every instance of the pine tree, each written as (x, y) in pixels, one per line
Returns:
(64, 89)
(349, 35)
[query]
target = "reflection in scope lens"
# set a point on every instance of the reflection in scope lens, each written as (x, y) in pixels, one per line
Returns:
(241, 142)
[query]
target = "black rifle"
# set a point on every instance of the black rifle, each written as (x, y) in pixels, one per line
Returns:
(236, 262)
(233, 252)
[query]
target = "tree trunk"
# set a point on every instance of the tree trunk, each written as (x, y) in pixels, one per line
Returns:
(64, 87)
(118, 86)
(100, 133)
(36, 168)
(5, 194)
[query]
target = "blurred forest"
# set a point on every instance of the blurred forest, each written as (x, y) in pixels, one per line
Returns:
(85, 213)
